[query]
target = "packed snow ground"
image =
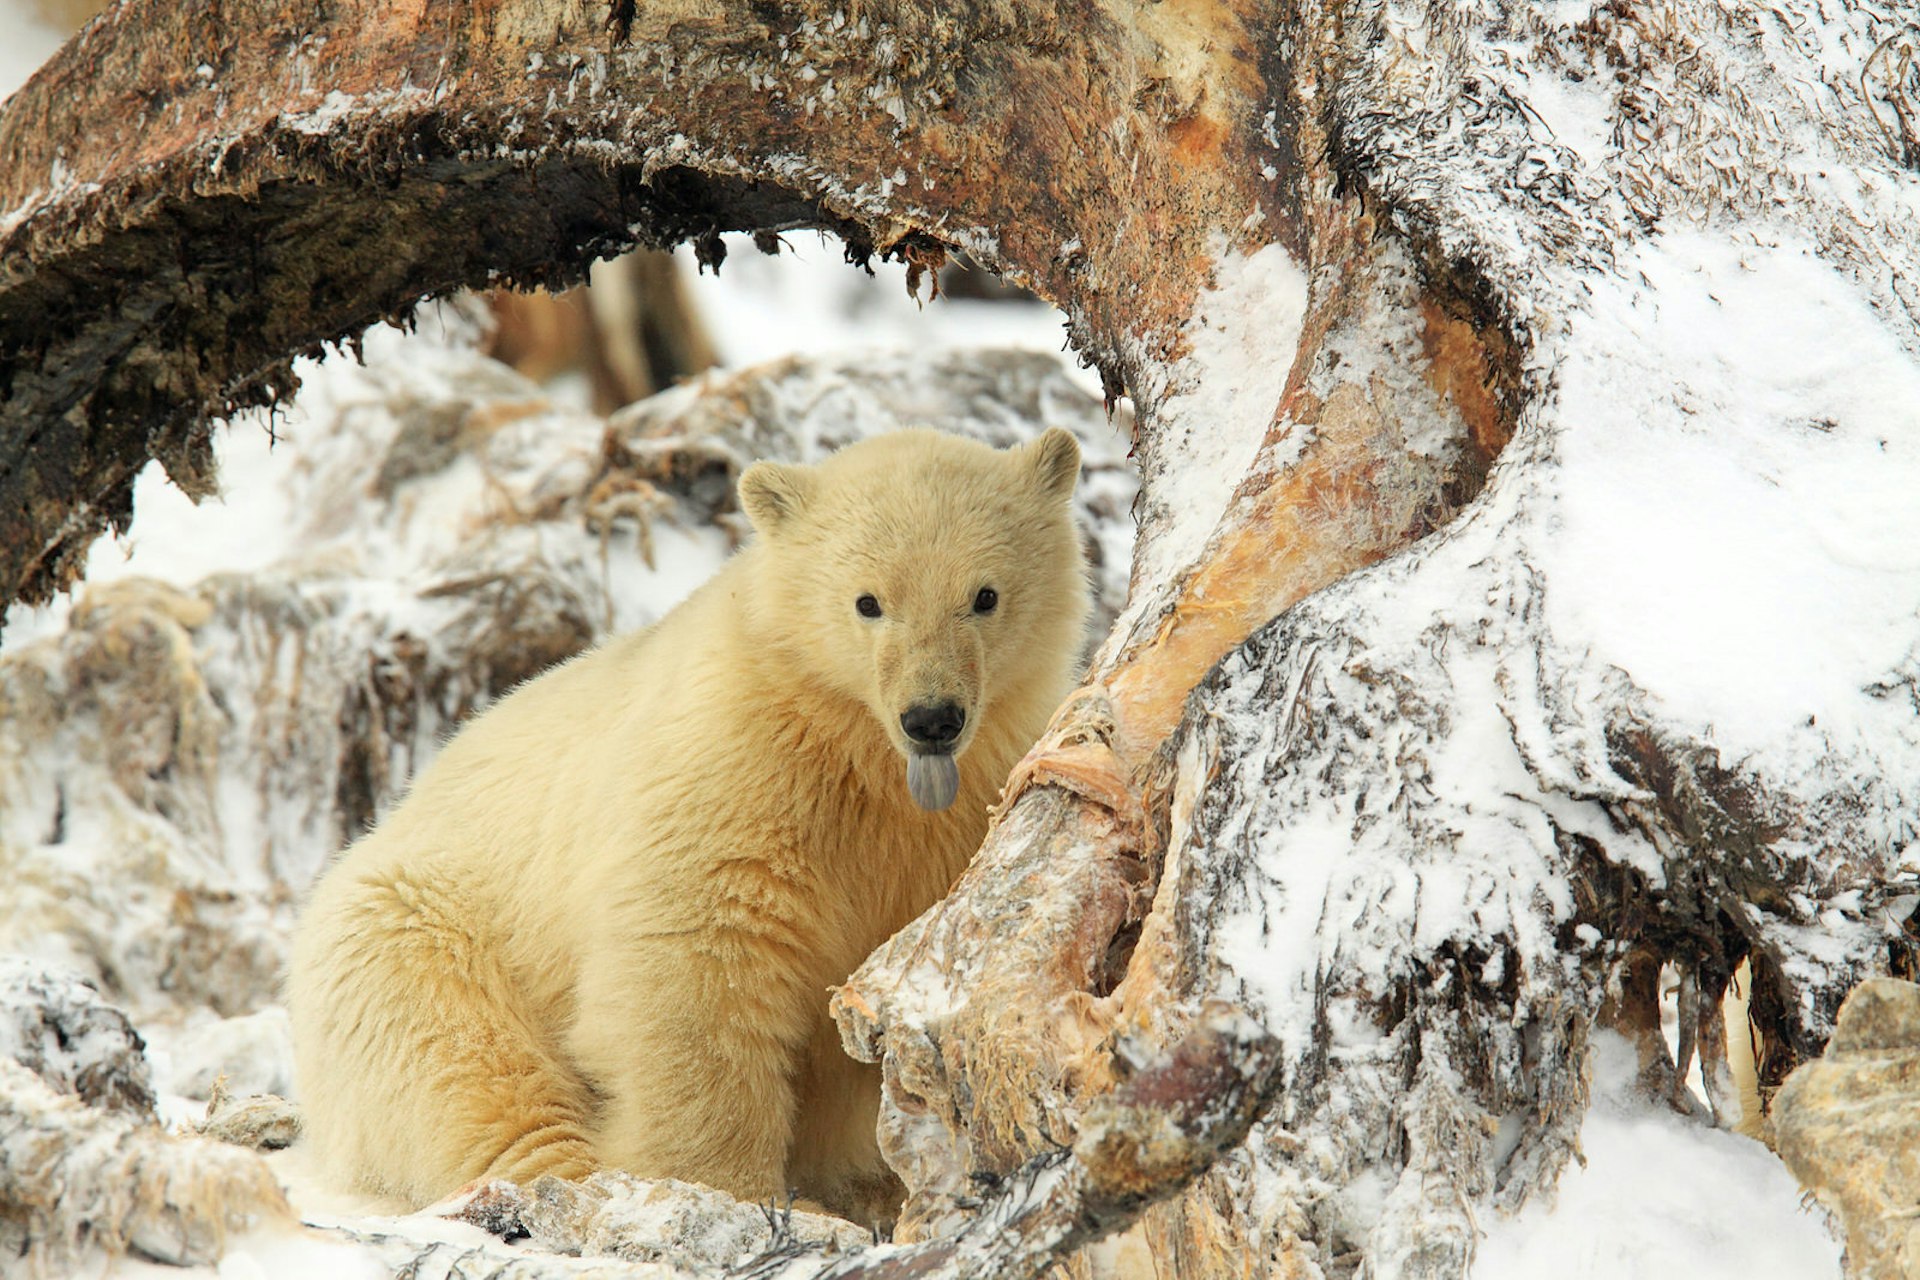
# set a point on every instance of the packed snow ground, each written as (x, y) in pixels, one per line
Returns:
(1657, 1196)
(1660, 1196)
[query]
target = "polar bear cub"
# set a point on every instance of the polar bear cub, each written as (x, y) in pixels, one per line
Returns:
(599, 931)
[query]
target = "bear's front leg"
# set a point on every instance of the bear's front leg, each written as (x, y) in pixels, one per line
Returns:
(835, 1159)
(694, 1041)
(423, 1065)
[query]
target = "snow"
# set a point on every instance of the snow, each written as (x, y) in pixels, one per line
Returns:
(1659, 1196)
(1216, 403)
(1283, 946)
(252, 1053)
(1573, 113)
(1221, 397)
(1751, 554)
(1336, 889)
(331, 110)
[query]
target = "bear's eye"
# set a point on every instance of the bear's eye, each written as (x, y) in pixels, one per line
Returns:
(868, 607)
(986, 600)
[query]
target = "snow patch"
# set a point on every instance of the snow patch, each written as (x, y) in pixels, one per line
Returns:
(252, 1053)
(1659, 1196)
(1220, 400)
(1280, 949)
(331, 110)
(1576, 114)
(1744, 540)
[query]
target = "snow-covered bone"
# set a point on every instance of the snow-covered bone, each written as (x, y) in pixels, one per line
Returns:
(56, 1025)
(688, 1226)
(84, 1167)
(1653, 687)
(77, 1180)
(258, 1122)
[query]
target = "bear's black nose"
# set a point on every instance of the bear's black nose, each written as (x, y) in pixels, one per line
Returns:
(933, 724)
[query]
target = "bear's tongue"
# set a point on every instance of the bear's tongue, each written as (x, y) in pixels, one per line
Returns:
(933, 780)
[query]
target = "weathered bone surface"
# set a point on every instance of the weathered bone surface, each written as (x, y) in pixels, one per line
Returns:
(57, 1026)
(258, 1122)
(1848, 1125)
(1421, 823)
(686, 1226)
(84, 1167)
(75, 1181)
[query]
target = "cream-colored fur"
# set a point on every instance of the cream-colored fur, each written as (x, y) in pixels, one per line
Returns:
(600, 930)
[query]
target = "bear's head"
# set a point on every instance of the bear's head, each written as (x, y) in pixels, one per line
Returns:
(929, 577)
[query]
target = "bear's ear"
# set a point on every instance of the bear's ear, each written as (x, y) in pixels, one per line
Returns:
(1053, 461)
(772, 494)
